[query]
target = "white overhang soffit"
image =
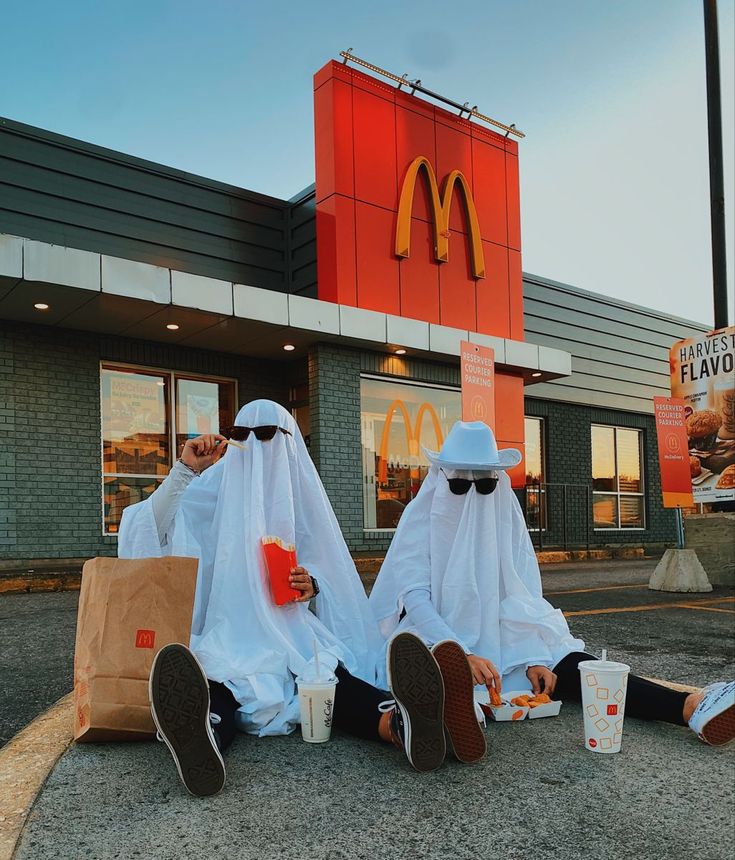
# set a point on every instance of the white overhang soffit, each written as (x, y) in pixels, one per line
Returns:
(94, 292)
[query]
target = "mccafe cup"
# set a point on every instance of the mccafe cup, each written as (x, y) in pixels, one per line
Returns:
(604, 683)
(316, 699)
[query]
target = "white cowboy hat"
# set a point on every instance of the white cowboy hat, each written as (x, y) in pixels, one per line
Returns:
(471, 445)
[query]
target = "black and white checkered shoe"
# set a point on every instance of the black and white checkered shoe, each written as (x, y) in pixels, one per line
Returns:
(416, 682)
(179, 695)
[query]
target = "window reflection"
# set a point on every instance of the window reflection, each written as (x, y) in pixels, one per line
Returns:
(603, 458)
(138, 428)
(536, 512)
(616, 467)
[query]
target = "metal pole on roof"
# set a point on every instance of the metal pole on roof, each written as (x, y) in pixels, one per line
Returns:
(716, 183)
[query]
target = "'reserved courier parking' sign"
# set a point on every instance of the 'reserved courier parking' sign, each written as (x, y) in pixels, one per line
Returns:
(477, 368)
(673, 452)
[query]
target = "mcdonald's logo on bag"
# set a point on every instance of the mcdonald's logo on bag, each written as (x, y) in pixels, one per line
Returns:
(441, 205)
(145, 639)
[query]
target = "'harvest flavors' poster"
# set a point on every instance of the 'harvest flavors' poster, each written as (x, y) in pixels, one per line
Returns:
(703, 375)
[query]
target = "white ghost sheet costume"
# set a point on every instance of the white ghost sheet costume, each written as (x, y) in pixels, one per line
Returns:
(239, 635)
(470, 556)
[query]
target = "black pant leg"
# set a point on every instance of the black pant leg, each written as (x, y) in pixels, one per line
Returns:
(356, 706)
(644, 699)
(224, 704)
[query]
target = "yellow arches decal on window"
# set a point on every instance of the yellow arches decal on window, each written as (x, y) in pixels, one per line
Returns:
(441, 206)
(413, 432)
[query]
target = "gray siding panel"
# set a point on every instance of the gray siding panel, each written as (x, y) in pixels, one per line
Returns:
(59, 190)
(620, 352)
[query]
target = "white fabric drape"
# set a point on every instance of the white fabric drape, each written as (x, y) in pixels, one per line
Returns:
(240, 636)
(474, 555)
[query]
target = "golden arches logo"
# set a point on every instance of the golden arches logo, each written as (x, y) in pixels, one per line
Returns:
(441, 206)
(413, 432)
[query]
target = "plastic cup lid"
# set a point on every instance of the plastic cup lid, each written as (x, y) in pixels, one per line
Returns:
(603, 666)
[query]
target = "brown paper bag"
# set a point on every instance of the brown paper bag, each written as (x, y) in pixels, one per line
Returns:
(128, 610)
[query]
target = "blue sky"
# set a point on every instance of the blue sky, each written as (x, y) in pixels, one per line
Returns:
(611, 94)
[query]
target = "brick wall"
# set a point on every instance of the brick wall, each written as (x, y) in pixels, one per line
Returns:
(50, 458)
(567, 437)
(334, 392)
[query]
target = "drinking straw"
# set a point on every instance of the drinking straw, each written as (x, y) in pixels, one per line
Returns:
(316, 661)
(604, 654)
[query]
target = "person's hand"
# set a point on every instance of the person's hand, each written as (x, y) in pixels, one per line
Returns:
(484, 672)
(542, 680)
(201, 453)
(300, 580)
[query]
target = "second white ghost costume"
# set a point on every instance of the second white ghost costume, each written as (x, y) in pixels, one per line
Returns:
(239, 635)
(463, 567)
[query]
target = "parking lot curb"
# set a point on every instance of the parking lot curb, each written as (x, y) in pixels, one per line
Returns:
(25, 763)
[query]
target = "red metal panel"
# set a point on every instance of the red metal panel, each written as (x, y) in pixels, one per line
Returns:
(419, 276)
(514, 202)
(375, 149)
(509, 423)
(515, 295)
(453, 152)
(414, 136)
(457, 288)
(489, 191)
(493, 309)
(335, 236)
(333, 140)
(377, 267)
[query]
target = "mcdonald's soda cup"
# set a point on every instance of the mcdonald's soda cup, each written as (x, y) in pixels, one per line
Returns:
(316, 699)
(604, 684)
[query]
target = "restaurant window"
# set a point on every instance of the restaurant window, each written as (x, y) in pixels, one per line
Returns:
(398, 418)
(617, 478)
(147, 416)
(535, 474)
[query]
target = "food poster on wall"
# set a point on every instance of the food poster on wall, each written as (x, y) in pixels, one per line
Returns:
(703, 375)
(134, 425)
(198, 403)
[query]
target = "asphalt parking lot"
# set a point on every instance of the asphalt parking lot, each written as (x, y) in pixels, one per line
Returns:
(538, 794)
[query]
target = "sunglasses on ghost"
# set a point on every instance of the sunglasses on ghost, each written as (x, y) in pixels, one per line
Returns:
(461, 486)
(262, 434)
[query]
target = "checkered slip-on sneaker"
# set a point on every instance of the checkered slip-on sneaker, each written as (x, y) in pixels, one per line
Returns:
(466, 737)
(415, 681)
(713, 719)
(179, 695)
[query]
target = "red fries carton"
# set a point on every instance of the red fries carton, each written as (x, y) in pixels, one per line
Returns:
(280, 559)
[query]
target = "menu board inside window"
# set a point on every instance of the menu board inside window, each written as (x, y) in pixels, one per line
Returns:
(135, 430)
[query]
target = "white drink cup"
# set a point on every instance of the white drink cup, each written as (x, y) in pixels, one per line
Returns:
(316, 699)
(604, 684)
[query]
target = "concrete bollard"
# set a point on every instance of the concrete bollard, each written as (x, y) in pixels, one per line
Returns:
(679, 570)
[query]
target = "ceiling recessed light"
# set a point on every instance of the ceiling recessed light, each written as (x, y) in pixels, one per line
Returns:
(400, 351)
(538, 373)
(41, 306)
(172, 327)
(289, 347)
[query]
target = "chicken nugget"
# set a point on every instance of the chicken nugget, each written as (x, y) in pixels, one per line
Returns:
(495, 699)
(520, 701)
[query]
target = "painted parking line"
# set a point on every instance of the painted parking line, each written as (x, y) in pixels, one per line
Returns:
(692, 604)
(706, 608)
(601, 588)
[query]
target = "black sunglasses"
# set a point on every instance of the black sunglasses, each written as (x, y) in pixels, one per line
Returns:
(262, 434)
(461, 486)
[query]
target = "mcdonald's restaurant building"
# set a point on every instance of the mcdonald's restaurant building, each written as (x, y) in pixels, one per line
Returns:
(141, 305)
